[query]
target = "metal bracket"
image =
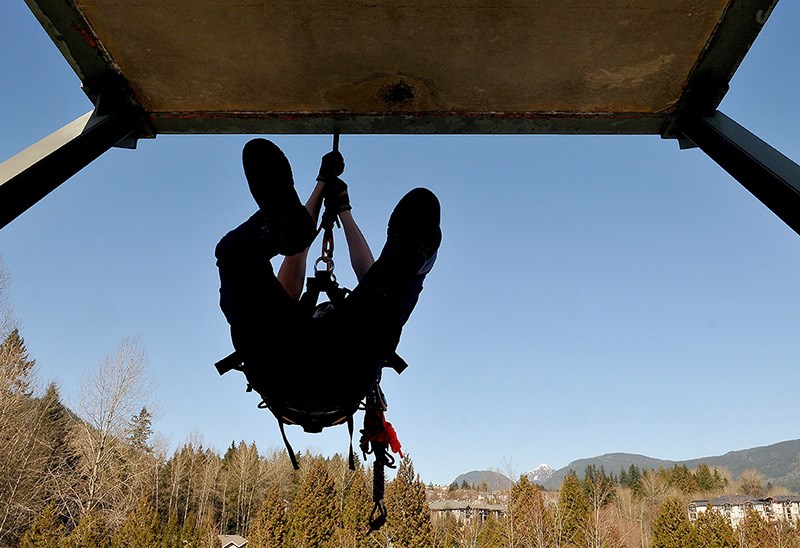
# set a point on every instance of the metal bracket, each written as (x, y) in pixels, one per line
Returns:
(769, 175)
(33, 173)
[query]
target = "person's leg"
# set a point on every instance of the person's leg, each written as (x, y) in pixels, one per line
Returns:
(254, 302)
(251, 298)
(381, 304)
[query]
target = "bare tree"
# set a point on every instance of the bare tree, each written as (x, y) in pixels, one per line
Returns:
(111, 393)
(751, 483)
(29, 448)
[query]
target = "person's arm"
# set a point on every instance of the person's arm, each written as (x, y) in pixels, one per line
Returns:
(361, 258)
(292, 273)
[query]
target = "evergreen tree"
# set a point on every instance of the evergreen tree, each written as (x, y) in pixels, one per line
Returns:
(140, 430)
(599, 487)
(269, 527)
(635, 479)
(704, 478)
(491, 534)
(409, 521)
(91, 532)
(312, 514)
(45, 532)
(712, 530)
(682, 479)
(190, 536)
(357, 507)
(171, 532)
(671, 527)
(140, 528)
(573, 512)
(623, 477)
(446, 532)
(16, 367)
(528, 521)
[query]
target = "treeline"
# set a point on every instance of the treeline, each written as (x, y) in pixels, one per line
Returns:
(634, 509)
(98, 479)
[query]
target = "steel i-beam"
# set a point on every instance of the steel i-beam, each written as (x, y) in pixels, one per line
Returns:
(766, 173)
(30, 175)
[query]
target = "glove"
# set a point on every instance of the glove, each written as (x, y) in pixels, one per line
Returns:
(332, 166)
(336, 197)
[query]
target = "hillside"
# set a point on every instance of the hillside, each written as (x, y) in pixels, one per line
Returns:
(779, 463)
(495, 480)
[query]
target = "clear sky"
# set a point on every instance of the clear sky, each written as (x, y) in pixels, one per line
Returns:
(593, 294)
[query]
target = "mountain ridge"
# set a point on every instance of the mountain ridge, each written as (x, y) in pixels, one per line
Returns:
(779, 463)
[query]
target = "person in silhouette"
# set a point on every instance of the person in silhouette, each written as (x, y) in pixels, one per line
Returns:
(322, 363)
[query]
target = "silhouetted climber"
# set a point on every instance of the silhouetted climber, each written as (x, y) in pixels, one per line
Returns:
(313, 365)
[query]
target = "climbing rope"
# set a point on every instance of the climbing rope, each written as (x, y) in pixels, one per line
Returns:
(377, 438)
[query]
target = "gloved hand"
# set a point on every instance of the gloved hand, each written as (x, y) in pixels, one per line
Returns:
(336, 196)
(332, 166)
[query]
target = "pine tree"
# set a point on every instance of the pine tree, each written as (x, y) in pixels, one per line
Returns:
(91, 532)
(171, 532)
(409, 521)
(623, 477)
(573, 512)
(312, 514)
(140, 528)
(529, 524)
(491, 534)
(671, 527)
(357, 507)
(635, 479)
(190, 536)
(16, 367)
(712, 530)
(140, 430)
(269, 526)
(45, 532)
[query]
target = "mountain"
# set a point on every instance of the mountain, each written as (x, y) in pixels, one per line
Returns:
(779, 463)
(495, 480)
(540, 474)
(611, 462)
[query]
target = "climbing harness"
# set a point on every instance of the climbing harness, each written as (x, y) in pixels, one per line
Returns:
(378, 436)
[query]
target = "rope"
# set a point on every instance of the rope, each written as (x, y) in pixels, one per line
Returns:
(377, 438)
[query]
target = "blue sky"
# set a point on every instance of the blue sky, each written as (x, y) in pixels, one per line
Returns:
(593, 294)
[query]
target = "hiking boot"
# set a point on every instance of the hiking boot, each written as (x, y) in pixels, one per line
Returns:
(414, 235)
(287, 223)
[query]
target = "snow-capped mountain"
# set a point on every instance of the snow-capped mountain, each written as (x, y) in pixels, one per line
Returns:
(540, 474)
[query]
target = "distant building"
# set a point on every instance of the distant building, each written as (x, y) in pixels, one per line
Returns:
(232, 541)
(734, 507)
(466, 510)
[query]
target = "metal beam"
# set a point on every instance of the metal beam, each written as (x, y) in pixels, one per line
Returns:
(30, 175)
(766, 173)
